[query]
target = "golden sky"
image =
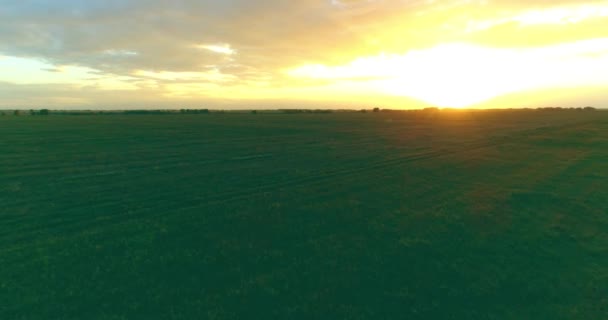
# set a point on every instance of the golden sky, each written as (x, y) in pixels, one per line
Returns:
(305, 53)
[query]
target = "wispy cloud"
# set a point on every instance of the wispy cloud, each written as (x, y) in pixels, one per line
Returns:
(241, 48)
(223, 49)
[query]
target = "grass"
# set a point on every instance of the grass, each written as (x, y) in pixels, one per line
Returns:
(426, 215)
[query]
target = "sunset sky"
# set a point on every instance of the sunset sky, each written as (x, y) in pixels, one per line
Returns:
(307, 53)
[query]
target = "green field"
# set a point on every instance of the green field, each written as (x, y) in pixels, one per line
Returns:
(409, 215)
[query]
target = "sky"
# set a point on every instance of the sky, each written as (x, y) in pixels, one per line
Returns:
(90, 54)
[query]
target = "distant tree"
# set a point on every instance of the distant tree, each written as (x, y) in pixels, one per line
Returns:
(2, 114)
(16, 112)
(551, 109)
(254, 111)
(588, 108)
(292, 111)
(376, 109)
(363, 111)
(32, 112)
(44, 112)
(194, 111)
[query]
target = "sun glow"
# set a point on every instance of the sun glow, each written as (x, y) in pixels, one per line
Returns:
(460, 75)
(563, 15)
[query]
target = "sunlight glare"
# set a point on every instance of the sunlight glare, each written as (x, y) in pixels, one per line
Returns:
(460, 75)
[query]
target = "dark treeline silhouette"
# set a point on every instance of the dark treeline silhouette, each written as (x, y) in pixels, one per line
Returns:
(428, 111)
(292, 111)
(194, 111)
(148, 111)
(566, 109)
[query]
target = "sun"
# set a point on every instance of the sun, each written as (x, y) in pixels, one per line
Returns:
(458, 75)
(452, 75)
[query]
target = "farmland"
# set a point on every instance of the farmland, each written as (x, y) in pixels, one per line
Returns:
(414, 215)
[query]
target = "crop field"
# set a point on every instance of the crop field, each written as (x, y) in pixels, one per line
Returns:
(408, 215)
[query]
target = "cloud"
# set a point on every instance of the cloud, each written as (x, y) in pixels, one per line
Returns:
(243, 43)
(266, 34)
(223, 49)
